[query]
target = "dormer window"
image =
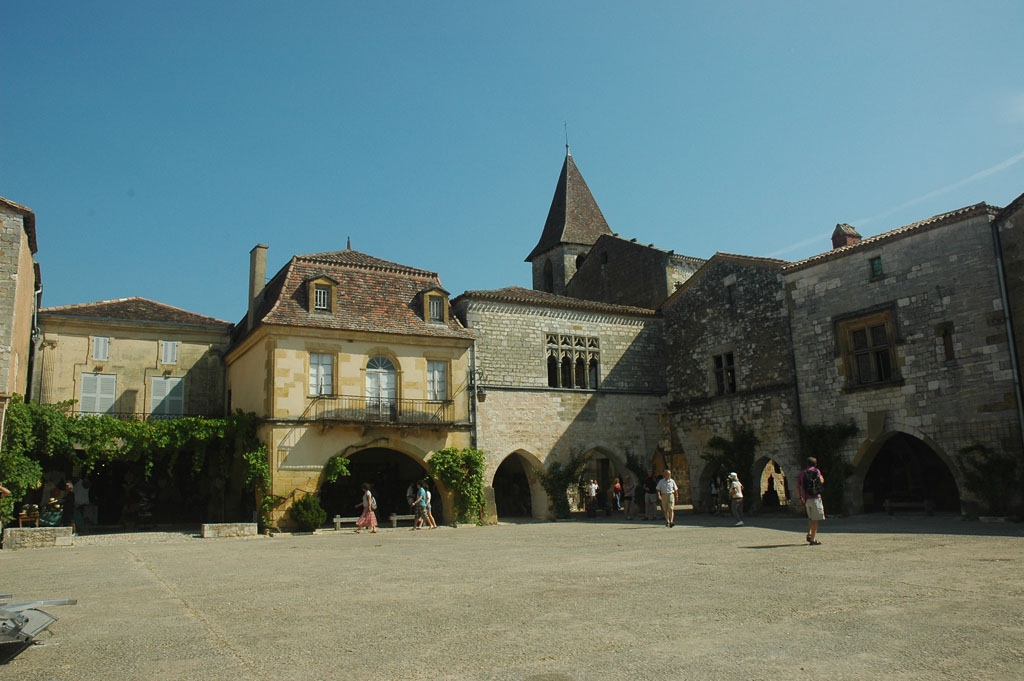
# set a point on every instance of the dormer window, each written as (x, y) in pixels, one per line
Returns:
(321, 294)
(434, 305)
(322, 298)
(437, 309)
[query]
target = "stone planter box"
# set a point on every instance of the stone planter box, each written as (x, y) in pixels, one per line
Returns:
(212, 530)
(37, 537)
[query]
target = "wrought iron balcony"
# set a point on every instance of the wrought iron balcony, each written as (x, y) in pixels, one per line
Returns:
(382, 410)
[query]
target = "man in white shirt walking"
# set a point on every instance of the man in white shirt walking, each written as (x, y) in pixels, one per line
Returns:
(667, 489)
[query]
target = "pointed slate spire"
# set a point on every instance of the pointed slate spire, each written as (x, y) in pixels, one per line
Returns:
(574, 217)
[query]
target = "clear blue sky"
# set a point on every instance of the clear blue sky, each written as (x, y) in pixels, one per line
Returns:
(157, 142)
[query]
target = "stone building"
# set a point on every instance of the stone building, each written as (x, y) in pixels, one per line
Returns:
(557, 376)
(616, 270)
(20, 285)
(729, 363)
(345, 354)
(131, 357)
(560, 373)
(905, 334)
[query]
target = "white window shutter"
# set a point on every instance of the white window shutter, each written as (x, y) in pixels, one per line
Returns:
(90, 390)
(168, 352)
(100, 348)
(107, 393)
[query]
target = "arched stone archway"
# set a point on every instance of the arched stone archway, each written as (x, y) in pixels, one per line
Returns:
(900, 469)
(775, 486)
(517, 491)
(390, 472)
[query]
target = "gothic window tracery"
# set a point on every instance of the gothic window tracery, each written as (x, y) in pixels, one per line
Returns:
(572, 361)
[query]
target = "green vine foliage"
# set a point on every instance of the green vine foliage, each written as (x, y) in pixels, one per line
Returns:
(736, 455)
(462, 472)
(45, 437)
(824, 443)
(558, 478)
(336, 467)
(992, 478)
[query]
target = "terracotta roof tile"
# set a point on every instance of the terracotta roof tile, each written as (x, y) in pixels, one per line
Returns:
(133, 309)
(371, 295)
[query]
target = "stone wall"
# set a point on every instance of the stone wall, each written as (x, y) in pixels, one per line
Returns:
(733, 305)
(1011, 236)
(550, 425)
(934, 278)
(628, 273)
(511, 345)
(17, 280)
(16, 538)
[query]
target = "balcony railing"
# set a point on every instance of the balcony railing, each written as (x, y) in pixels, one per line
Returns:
(382, 410)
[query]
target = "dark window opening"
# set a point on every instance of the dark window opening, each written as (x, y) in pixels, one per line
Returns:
(876, 267)
(725, 374)
(552, 371)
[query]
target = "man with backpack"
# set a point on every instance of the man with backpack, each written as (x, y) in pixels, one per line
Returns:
(811, 484)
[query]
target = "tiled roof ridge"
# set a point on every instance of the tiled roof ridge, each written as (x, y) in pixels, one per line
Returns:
(379, 266)
(956, 215)
(534, 297)
(78, 306)
(751, 258)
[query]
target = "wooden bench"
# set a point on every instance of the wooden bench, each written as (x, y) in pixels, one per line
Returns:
(338, 520)
(24, 517)
(395, 518)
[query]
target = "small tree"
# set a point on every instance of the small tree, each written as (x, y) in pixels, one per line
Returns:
(735, 456)
(557, 479)
(307, 513)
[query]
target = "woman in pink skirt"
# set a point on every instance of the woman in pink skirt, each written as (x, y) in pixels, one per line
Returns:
(368, 517)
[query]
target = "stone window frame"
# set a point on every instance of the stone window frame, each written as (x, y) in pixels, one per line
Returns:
(573, 362)
(944, 333)
(332, 364)
(870, 355)
(446, 363)
(329, 287)
(876, 269)
(723, 372)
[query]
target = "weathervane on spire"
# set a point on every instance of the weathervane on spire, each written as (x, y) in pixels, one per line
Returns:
(565, 125)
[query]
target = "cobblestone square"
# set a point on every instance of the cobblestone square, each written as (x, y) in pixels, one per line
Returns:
(910, 597)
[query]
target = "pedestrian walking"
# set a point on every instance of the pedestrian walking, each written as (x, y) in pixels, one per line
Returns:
(811, 484)
(667, 489)
(367, 518)
(430, 511)
(650, 495)
(736, 498)
(419, 506)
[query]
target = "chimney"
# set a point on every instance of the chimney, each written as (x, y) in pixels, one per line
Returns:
(844, 236)
(257, 278)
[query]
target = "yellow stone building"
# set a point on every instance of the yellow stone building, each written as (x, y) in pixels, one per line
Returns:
(131, 357)
(345, 354)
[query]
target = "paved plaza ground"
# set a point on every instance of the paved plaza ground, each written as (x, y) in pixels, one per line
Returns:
(910, 597)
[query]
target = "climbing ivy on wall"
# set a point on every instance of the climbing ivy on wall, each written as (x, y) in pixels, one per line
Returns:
(45, 436)
(462, 472)
(736, 455)
(558, 478)
(825, 443)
